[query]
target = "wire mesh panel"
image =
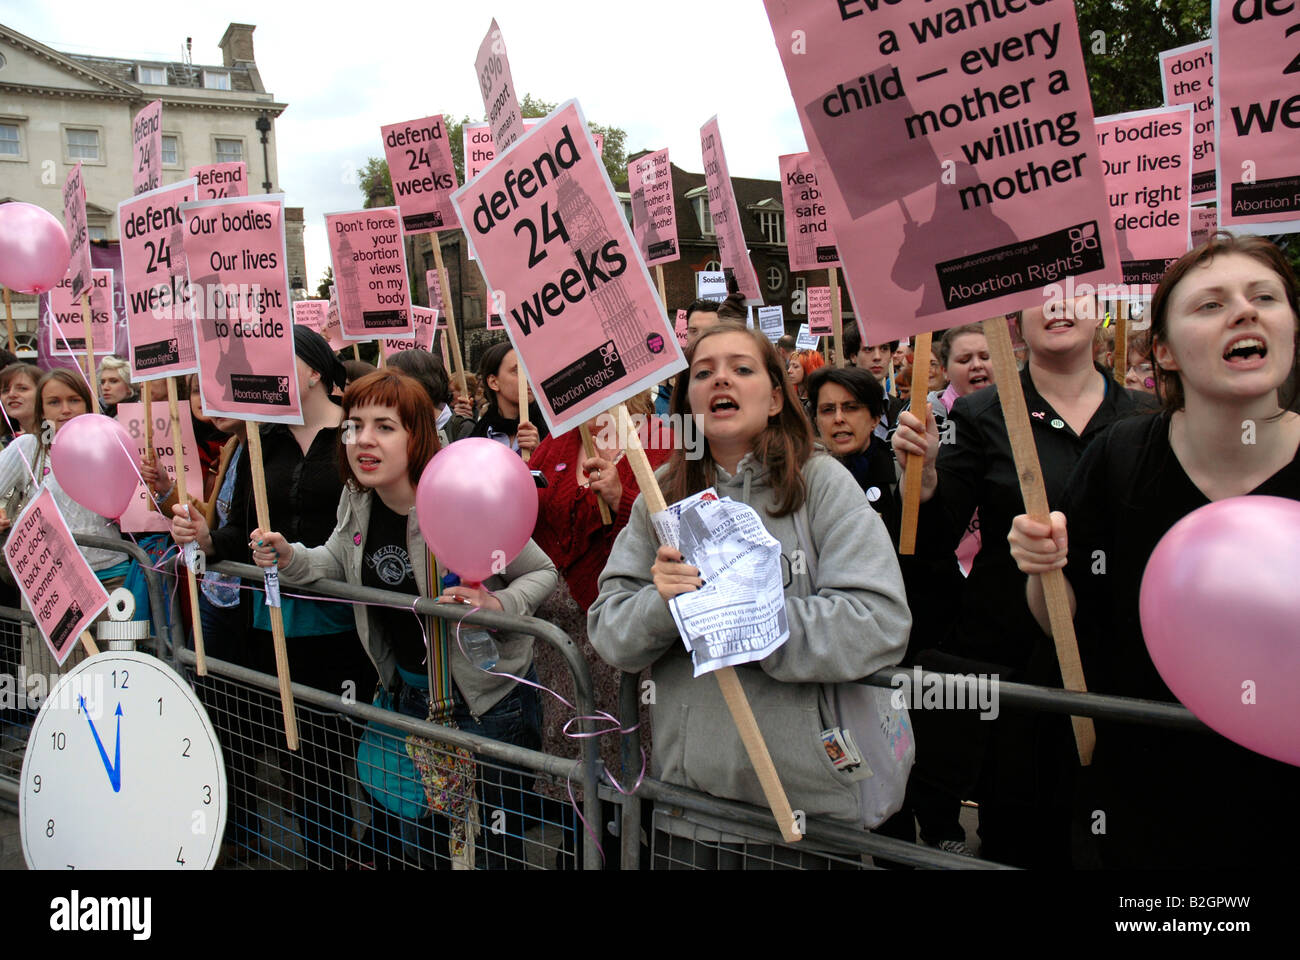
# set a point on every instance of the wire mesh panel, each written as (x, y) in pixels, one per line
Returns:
(360, 794)
(20, 693)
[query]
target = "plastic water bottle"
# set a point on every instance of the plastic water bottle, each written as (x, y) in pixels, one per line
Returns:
(479, 647)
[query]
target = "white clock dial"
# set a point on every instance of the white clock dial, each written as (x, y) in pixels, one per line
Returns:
(122, 770)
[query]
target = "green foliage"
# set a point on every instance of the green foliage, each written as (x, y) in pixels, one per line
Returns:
(327, 281)
(376, 184)
(1122, 40)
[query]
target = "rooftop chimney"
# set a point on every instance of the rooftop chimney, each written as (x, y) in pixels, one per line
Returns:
(237, 44)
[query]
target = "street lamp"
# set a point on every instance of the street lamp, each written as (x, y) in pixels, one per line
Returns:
(264, 127)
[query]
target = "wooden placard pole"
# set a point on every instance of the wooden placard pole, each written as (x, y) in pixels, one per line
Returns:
(837, 319)
(379, 348)
(146, 398)
(173, 407)
(589, 448)
(356, 351)
(523, 407)
(277, 618)
(9, 322)
(88, 642)
(741, 712)
(92, 375)
(1025, 453)
(457, 362)
(915, 464)
(1119, 365)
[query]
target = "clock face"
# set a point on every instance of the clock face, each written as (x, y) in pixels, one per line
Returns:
(122, 770)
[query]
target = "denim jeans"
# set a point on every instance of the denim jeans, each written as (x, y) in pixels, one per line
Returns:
(504, 791)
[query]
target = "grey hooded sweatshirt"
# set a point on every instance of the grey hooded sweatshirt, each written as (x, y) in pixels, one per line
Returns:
(853, 624)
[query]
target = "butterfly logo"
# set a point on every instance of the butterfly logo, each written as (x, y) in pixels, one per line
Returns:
(609, 353)
(1083, 237)
(284, 384)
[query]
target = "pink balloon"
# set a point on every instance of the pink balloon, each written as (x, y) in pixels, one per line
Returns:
(477, 506)
(1220, 609)
(34, 251)
(94, 460)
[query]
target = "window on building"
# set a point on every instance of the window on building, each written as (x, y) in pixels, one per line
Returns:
(772, 223)
(230, 151)
(216, 79)
(171, 154)
(775, 278)
(702, 214)
(97, 233)
(713, 267)
(10, 144)
(83, 144)
(154, 75)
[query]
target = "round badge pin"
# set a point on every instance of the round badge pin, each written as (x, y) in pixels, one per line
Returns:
(1058, 423)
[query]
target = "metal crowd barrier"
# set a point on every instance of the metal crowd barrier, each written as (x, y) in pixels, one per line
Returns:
(740, 836)
(307, 809)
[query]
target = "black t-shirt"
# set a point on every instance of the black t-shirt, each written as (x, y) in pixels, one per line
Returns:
(1171, 798)
(977, 470)
(386, 565)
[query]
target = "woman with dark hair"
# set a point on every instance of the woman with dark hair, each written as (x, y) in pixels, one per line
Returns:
(1224, 338)
(847, 405)
(377, 542)
(1015, 766)
(500, 376)
(853, 620)
(302, 487)
(18, 394)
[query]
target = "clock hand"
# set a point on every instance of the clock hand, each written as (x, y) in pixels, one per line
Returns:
(115, 769)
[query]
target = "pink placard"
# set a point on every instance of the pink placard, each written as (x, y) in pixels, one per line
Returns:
(218, 180)
(426, 321)
(240, 296)
(1257, 115)
(68, 331)
(960, 166)
(654, 218)
(820, 322)
(732, 250)
(1205, 221)
(494, 322)
(579, 305)
(434, 286)
(1187, 76)
(370, 273)
(61, 590)
(419, 162)
(498, 89)
(1147, 159)
(680, 328)
(139, 516)
(333, 328)
(74, 223)
(312, 314)
(479, 150)
(808, 235)
(146, 149)
(160, 330)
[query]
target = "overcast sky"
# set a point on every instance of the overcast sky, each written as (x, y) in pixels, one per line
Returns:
(658, 70)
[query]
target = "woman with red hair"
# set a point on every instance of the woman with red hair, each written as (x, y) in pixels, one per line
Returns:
(802, 363)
